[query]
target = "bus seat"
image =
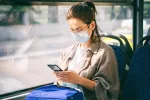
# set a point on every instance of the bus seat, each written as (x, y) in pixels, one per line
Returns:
(128, 49)
(144, 41)
(137, 84)
(125, 46)
(120, 56)
(115, 38)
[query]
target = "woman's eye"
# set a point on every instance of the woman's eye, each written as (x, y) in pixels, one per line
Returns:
(79, 30)
(72, 30)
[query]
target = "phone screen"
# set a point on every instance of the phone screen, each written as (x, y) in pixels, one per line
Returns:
(55, 68)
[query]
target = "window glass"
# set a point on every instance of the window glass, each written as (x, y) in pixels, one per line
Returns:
(146, 20)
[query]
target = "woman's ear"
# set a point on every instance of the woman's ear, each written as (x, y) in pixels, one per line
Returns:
(92, 25)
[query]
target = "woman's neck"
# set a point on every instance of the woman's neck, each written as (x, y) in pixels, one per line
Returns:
(86, 44)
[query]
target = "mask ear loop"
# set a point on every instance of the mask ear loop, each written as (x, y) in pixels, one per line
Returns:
(94, 35)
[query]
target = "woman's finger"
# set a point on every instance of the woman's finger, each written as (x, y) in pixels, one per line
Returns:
(59, 75)
(63, 72)
(54, 73)
(63, 79)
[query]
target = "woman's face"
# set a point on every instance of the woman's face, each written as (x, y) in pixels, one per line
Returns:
(77, 26)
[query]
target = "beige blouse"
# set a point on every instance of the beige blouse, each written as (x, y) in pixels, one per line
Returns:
(98, 64)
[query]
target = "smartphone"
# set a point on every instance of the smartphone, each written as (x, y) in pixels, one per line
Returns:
(54, 67)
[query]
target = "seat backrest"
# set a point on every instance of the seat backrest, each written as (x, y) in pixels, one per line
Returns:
(128, 49)
(137, 85)
(120, 52)
(125, 46)
(120, 56)
(144, 41)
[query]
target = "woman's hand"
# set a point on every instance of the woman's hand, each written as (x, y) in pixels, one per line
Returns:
(73, 77)
(68, 76)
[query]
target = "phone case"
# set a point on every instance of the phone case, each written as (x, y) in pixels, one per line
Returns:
(55, 68)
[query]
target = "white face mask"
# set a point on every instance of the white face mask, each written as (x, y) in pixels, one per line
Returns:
(81, 37)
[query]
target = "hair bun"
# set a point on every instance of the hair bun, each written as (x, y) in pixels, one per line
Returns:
(90, 4)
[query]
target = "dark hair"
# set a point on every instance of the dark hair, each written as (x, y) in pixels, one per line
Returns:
(85, 12)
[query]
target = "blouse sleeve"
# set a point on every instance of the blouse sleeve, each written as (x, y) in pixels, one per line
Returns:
(106, 77)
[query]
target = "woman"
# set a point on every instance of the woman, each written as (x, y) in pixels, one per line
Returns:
(90, 63)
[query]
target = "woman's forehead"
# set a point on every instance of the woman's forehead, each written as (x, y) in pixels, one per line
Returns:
(76, 23)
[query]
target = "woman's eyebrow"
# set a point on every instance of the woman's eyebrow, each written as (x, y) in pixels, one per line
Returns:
(76, 28)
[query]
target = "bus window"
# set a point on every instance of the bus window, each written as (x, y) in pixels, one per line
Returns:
(33, 36)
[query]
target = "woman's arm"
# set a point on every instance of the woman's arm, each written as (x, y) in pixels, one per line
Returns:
(89, 84)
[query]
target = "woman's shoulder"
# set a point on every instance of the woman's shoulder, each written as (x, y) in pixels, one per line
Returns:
(105, 47)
